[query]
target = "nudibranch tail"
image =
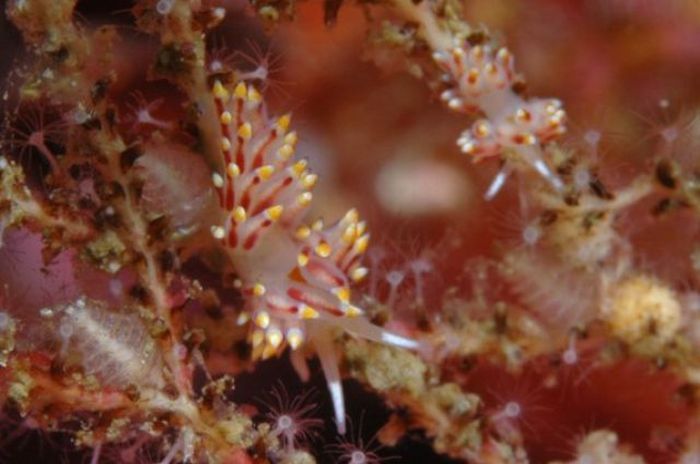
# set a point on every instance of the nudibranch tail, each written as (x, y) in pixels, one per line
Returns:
(296, 276)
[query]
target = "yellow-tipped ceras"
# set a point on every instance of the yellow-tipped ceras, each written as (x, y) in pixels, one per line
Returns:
(296, 276)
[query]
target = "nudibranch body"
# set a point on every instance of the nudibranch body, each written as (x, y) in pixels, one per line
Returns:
(296, 276)
(481, 80)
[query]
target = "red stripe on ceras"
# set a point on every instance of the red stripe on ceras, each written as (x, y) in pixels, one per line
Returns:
(355, 259)
(319, 271)
(282, 309)
(245, 198)
(270, 199)
(250, 241)
(230, 200)
(232, 237)
(302, 297)
(240, 155)
(260, 153)
(342, 254)
(252, 238)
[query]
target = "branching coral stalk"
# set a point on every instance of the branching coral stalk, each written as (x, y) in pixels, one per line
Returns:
(17, 204)
(174, 353)
(136, 234)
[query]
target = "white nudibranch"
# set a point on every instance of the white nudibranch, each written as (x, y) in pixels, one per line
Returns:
(481, 79)
(296, 276)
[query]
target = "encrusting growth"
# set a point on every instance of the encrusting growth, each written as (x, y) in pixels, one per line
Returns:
(296, 276)
(114, 347)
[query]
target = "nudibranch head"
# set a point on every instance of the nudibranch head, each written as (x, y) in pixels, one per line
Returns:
(296, 276)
